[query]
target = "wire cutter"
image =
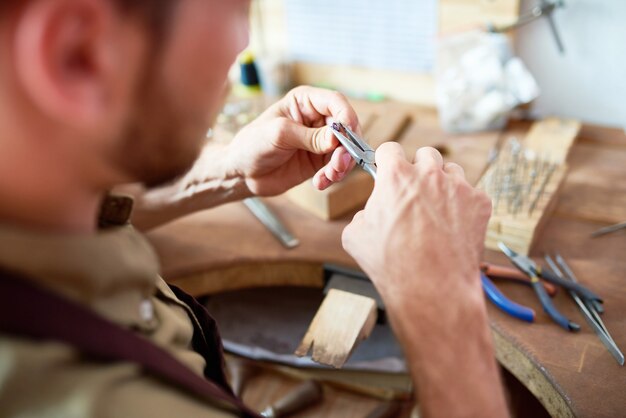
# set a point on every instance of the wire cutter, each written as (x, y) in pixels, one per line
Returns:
(531, 269)
(358, 148)
(491, 271)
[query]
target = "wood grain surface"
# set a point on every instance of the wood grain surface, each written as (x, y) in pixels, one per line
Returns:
(570, 374)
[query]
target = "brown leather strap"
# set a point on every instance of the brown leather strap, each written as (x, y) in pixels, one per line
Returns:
(31, 311)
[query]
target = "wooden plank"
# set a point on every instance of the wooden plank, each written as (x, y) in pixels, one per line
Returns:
(342, 321)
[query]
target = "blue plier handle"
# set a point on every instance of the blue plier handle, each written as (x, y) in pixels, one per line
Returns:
(359, 149)
(507, 305)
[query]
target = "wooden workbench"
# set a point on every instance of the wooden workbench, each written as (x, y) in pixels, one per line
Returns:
(570, 374)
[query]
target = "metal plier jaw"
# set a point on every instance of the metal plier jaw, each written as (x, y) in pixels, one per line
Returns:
(360, 150)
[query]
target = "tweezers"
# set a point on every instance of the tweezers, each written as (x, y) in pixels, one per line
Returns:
(358, 148)
(588, 310)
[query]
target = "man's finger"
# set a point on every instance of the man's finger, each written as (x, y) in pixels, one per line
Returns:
(340, 163)
(320, 181)
(454, 170)
(428, 157)
(390, 154)
(315, 103)
(338, 166)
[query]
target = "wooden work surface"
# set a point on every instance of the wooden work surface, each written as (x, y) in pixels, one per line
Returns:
(571, 374)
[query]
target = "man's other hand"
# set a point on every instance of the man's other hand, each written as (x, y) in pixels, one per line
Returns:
(420, 238)
(422, 218)
(291, 142)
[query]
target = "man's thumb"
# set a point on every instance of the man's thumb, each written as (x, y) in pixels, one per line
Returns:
(316, 140)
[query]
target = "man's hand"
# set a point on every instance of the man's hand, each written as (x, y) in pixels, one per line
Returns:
(420, 238)
(423, 214)
(291, 141)
(284, 146)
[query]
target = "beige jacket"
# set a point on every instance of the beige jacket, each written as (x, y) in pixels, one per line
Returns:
(114, 273)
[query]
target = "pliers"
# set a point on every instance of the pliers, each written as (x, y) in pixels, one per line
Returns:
(358, 148)
(516, 310)
(528, 267)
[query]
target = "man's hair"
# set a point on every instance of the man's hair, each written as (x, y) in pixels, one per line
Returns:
(153, 14)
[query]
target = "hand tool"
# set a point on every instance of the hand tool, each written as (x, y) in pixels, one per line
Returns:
(595, 304)
(530, 268)
(499, 299)
(494, 271)
(544, 8)
(570, 276)
(608, 229)
(267, 217)
(357, 147)
(507, 305)
(591, 316)
(303, 396)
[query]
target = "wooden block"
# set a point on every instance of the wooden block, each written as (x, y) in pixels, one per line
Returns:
(354, 191)
(338, 199)
(388, 126)
(552, 138)
(519, 225)
(342, 321)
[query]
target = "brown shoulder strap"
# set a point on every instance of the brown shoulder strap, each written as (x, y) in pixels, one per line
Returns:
(31, 311)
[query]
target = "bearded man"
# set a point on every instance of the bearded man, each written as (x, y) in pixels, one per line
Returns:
(98, 93)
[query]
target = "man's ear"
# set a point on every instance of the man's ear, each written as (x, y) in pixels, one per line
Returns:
(66, 59)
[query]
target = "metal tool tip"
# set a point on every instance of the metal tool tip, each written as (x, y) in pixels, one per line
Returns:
(336, 126)
(506, 250)
(291, 243)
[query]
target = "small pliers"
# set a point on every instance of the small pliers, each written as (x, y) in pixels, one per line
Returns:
(491, 271)
(528, 266)
(358, 148)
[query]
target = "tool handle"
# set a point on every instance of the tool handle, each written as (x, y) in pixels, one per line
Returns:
(303, 396)
(582, 291)
(550, 309)
(515, 310)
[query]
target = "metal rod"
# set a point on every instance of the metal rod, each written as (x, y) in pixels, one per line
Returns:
(594, 321)
(559, 273)
(267, 217)
(608, 229)
(542, 189)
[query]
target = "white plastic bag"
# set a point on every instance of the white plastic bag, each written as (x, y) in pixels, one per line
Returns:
(479, 82)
